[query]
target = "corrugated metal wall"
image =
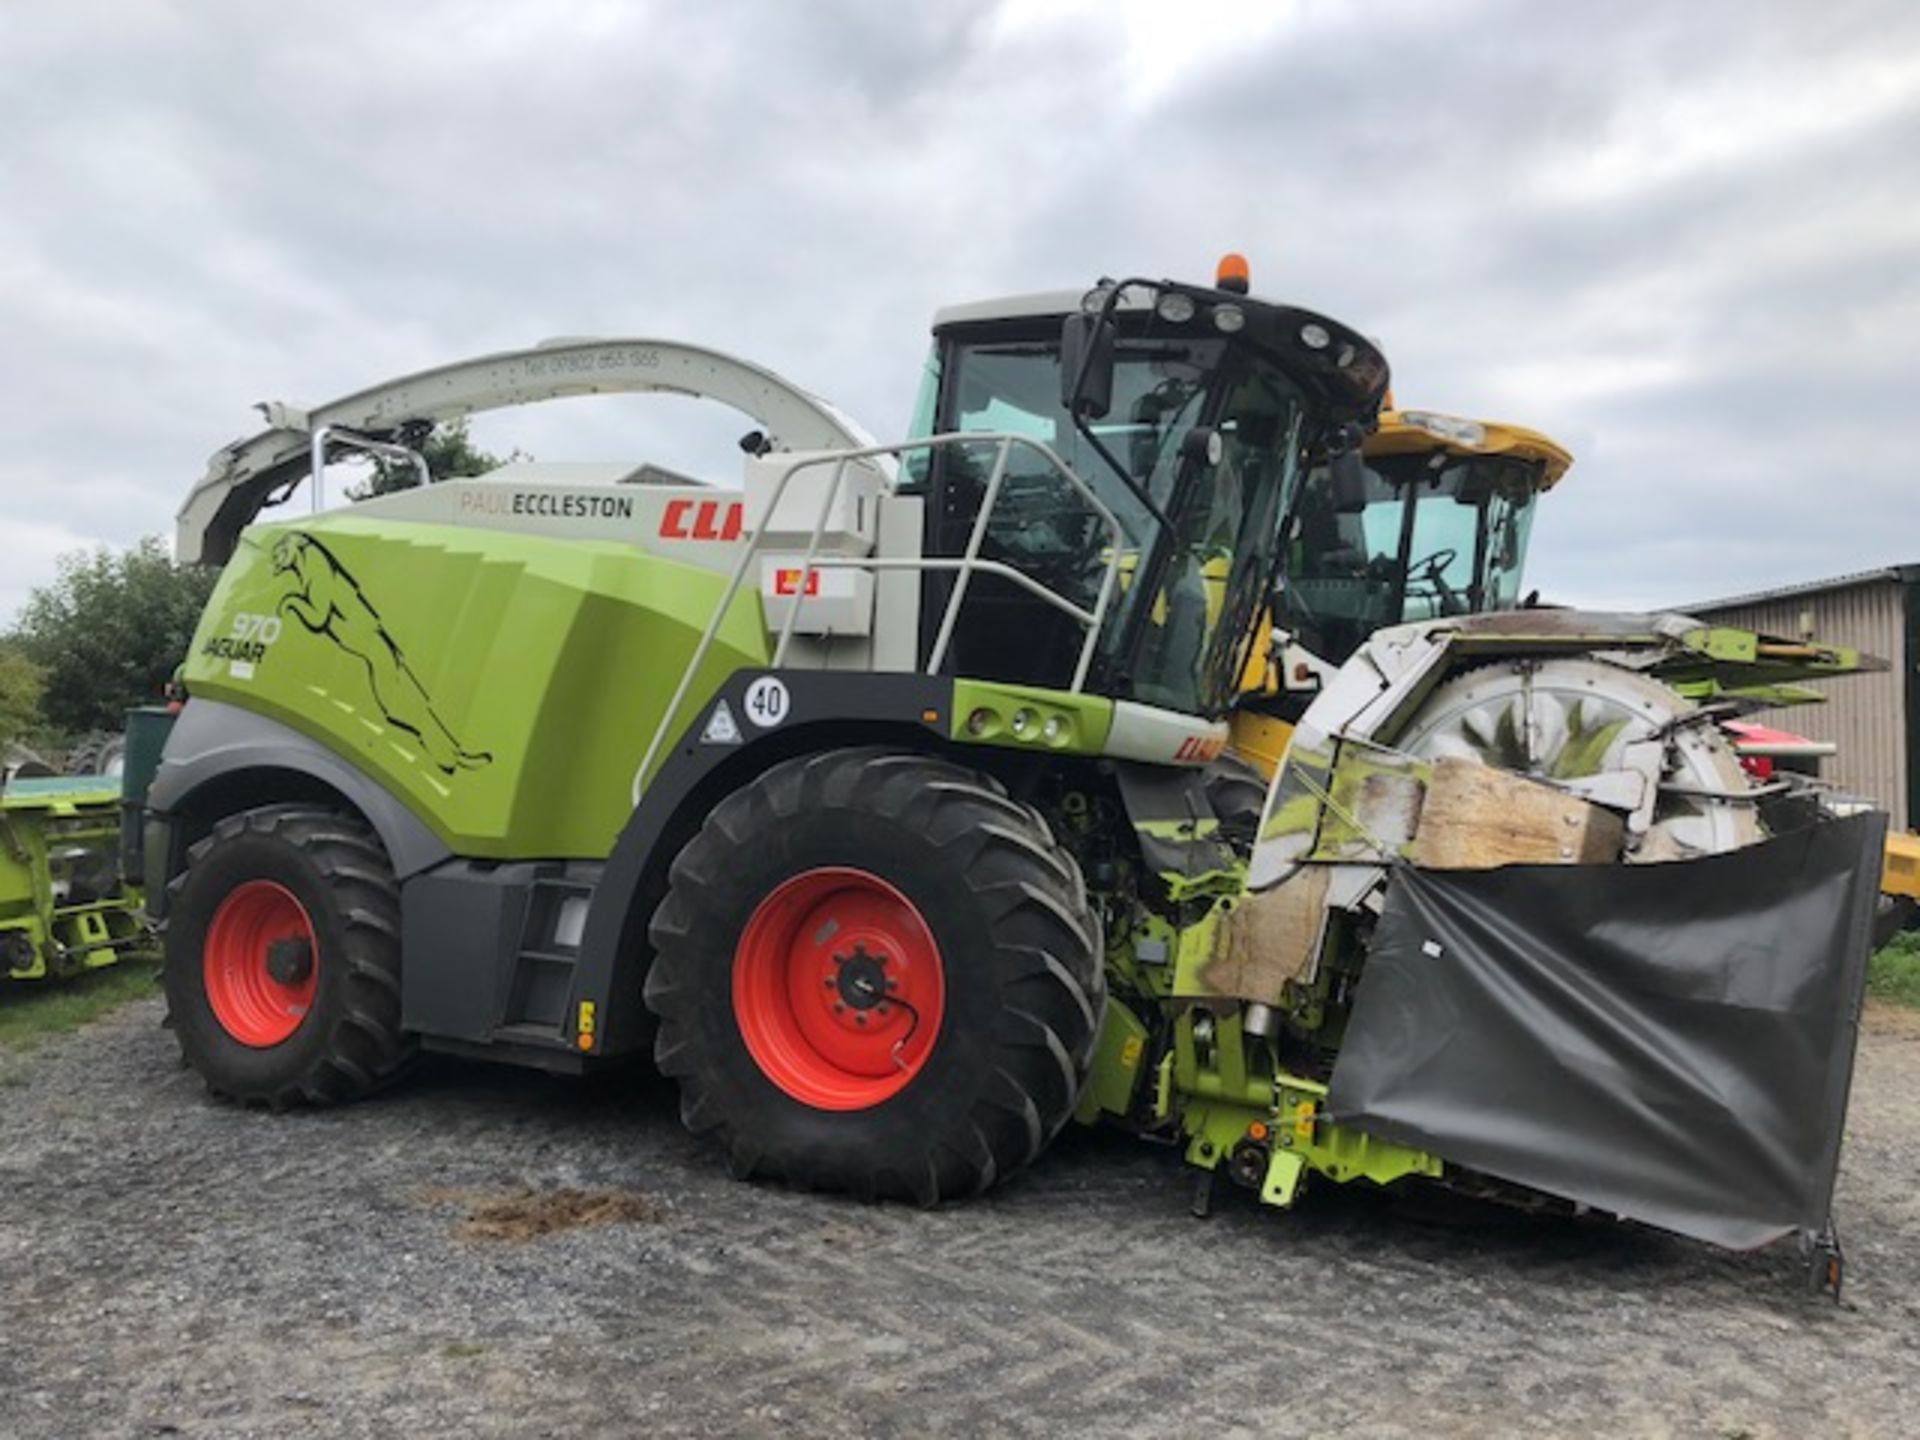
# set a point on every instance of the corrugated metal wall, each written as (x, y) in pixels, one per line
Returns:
(1865, 715)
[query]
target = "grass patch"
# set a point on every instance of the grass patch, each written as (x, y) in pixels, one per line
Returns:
(1894, 973)
(32, 1011)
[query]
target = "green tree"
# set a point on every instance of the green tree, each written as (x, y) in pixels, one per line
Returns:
(110, 630)
(449, 452)
(22, 683)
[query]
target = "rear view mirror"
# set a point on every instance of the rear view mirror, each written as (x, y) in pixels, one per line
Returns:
(1086, 366)
(1348, 473)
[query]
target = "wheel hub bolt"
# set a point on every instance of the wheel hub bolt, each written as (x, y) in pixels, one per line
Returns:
(861, 980)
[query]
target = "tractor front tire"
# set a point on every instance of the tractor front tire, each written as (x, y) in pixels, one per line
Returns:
(876, 973)
(100, 753)
(283, 959)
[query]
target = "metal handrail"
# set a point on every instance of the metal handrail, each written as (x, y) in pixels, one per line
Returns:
(353, 440)
(970, 556)
(949, 562)
(964, 565)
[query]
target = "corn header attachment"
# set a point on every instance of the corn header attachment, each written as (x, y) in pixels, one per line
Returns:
(64, 905)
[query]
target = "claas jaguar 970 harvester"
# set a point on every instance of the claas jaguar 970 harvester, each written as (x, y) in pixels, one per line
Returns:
(869, 795)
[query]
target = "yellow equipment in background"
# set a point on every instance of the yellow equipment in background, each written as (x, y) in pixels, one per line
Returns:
(1416, 455)
(1900, 873)
(1363, 561)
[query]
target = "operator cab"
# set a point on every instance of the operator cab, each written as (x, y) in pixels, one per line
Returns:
(1436, 524)
(1190, 412)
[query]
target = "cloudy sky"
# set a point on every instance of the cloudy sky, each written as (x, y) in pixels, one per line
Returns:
(1684, 239)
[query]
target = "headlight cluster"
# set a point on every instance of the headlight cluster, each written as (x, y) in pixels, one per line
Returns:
(1024, 724)
(1175, 307)
(1178, 307)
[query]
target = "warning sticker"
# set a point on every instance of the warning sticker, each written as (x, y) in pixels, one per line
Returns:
(721, 727)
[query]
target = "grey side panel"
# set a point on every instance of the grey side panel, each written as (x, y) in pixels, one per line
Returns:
(489, 952)
(1673, 1043)
(211, 741)
(458, 933)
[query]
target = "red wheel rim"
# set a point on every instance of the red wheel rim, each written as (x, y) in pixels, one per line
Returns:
(251, 1005)
(838, 989)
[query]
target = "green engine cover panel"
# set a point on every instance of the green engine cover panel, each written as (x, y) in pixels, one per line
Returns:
(505, 686)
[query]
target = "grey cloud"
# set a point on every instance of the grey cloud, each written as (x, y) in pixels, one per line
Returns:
(202, 206)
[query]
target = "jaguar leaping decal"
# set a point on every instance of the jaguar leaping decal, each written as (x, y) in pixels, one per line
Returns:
(328, 601)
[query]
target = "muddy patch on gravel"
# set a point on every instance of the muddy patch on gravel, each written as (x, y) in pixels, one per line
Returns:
(519, 1215)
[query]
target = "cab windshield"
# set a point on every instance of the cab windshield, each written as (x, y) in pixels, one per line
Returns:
(1429, 536)
(1188, 591)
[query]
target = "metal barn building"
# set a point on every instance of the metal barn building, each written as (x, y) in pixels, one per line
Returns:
(1870, 717)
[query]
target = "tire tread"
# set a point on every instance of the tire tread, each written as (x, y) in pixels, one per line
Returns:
(1046, 956)
(366, 1049)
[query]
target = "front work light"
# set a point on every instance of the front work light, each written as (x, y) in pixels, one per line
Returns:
(1175, 308)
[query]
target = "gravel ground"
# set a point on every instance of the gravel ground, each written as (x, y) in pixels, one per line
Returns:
(488, 1252)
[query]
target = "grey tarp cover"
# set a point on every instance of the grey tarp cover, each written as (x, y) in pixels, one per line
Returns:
(1669, 1042)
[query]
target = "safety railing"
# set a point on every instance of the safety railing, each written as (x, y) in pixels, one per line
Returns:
(325, 435)
(964, 566)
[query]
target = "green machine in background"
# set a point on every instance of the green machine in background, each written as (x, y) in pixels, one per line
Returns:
(70, 897)
(63, 906)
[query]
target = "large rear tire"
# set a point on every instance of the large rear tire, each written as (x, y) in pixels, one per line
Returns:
(101, 753)
(283, 959)
(17, 760)
(875, 972)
